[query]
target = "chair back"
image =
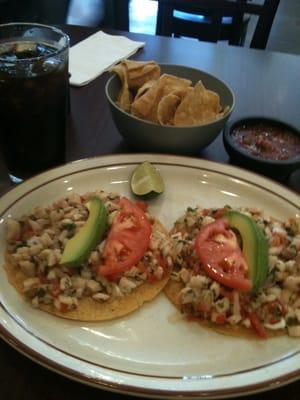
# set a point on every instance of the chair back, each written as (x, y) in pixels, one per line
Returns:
(167, 24)
(116, 14)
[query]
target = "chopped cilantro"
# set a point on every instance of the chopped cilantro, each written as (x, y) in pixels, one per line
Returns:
(291, 321)
(70, 226)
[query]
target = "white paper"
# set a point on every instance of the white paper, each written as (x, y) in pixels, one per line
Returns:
(96, 54)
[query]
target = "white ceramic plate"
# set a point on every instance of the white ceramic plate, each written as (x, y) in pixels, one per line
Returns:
(152, 352)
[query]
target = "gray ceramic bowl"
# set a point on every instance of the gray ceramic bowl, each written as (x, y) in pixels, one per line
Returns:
(274, 168)
(148, 136)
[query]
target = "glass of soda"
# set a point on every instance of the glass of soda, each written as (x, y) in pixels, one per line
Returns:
(34, 95)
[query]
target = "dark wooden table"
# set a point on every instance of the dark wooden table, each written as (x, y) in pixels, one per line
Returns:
(265, 83)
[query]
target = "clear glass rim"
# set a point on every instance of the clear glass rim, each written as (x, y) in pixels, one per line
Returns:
(37, 25)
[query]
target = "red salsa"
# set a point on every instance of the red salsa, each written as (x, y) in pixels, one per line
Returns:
(272, 142)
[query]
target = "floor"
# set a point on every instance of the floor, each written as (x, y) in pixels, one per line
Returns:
(284, 37)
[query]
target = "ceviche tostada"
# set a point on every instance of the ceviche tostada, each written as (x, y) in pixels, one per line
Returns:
(88, 257)
(237, 271)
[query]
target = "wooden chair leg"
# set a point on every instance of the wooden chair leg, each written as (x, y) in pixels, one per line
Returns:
(264, 25)
(164, 13)
(237, 28)
(117, 14)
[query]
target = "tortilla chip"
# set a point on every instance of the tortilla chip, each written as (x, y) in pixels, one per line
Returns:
(166, 109)
(181, 93)
(143, 106)
(172, 82)
(89, 309)
(199, 106)
(124, 99)
(146, 105)
(140, 72)
(143, 89)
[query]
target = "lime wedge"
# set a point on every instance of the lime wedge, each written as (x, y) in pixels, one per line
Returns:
(146, 180)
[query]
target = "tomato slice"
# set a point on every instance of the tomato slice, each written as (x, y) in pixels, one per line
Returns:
(127, 241)
(221, 257)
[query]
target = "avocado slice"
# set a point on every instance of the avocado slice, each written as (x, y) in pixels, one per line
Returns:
(255, 246)
(78, 248)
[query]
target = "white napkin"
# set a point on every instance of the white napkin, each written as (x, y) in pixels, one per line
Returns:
(96, 54)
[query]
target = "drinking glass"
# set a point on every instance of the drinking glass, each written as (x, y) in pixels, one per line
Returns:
(34, 94)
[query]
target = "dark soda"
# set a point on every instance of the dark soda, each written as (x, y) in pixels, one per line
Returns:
(33, 107)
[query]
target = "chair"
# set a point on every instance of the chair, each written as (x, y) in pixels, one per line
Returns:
(112, 14)
(212, 28)
(116, 14)
(41, 11)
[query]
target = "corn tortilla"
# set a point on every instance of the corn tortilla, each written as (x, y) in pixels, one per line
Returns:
(89, 309)
(188, 225)
(172, 290)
